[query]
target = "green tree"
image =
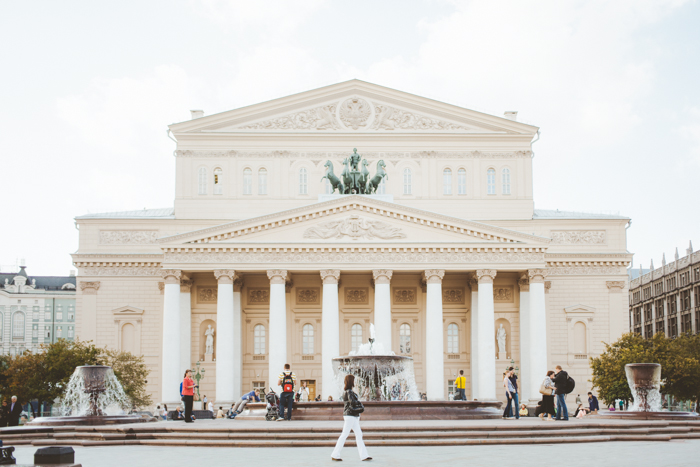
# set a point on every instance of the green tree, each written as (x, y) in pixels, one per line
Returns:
(681, 369)
(131, 371)
(5, 361)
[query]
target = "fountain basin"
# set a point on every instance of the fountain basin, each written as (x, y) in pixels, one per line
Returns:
(91, 420)
(378, 377)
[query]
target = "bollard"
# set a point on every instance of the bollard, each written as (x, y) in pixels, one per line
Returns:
(54, 455)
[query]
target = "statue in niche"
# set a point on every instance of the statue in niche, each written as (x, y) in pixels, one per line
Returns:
(501, 338)
(209, 342)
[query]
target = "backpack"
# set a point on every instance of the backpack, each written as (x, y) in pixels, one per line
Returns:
(570, 385)
(287, 382)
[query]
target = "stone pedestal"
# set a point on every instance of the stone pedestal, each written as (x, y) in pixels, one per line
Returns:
(502, 356)
(208, 358)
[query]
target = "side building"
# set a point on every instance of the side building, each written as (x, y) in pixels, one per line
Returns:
(35, 310)
(667, 299)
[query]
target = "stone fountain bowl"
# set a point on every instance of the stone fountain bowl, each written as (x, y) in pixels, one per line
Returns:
(644, 375)
(93, 376)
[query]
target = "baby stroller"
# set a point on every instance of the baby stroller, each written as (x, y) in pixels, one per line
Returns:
(272, 405)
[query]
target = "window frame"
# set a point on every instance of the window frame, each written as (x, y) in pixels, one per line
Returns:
(461, 181)
(308, 345)
(218, 181)
(490, 181)
(405, 339)
(407, 181)
(353, 337)
(303, 179)
(202, 188)
(259, 340)
(247, 181)
(447, 181)
(453, 338)
(262, 181)
(505, 181)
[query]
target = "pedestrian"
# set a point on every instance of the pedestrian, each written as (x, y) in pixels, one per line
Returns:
(461, 384)
(578, 399)
(210, 407)
(287, 379)
(561, 381)
(514, 380)
(547, 390)
(14, 412)
(205, 400)
(510, 390)
(188, 393)
(622, 405)
(593, 406)
(245, 398)
(351, 417)
(4, 413)
(164, 413)
(303, 392)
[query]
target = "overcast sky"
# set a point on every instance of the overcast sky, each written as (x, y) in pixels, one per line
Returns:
(89, 87)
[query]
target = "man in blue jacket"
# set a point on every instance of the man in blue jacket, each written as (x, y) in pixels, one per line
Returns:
(593, 403)
(240, 405)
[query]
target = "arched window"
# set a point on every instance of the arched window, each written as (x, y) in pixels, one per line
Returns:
(405, 338)
(18, 325)
(355, 336)
(447, 182)
(218, 181)
(303, 181)
(461, 182)
(307, 337)
(259, 339)
(580, 338)
(452, 338)
(262, 181)
(202, 181)
(128, 337)
(505, 181)
(491, 182)
(407, 181)
(247, 181)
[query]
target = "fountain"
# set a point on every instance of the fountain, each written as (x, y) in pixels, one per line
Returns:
(644, 380)
(93, 397)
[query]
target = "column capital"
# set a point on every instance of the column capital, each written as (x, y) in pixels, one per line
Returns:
(537, 275)
(382, 276)
(473, 281)
(186, 285)
(433, 276)
(524, 283)
(486, 276)
(330, 276)
(238, 283)
(547, 286)
(171, 276)
(277, 276)
(89, 288)
(225, 276)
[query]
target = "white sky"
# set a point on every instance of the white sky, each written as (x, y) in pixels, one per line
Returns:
(88, 87)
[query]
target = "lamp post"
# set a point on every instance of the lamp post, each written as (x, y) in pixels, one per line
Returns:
(199, 375)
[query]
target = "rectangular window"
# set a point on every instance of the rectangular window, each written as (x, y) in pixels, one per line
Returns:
(35, 316)
(648, 330)
(59, 315)
(461, 182)
(70, 332)
(673, 327)
(35, 333)
(71, 316)
(451, 388)
(47, 316)
(59, 332)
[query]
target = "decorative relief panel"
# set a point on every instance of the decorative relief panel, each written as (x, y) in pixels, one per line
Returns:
(120, 271)
(578, 237)
(503, 294)
(207, 294)
(356, 296)
(309, 296)
(584, 270)
(258, 296)
(389, 118)
(354, 227)
(355, 112)
(404, 295)
(128, 237)
(453, 296)
(320, 118)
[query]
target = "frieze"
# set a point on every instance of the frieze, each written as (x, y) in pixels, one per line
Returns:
(356, 296)
(319, 118)
(453, 296)
(584, 270)
(207, 294)
(308, 296)
(128, 237)
(390, 118)
(120, 271)
(578, 237)
(503, 294)
(353, 257)
(405, 155)
(259, 296)
(354, 227)
(404, 296)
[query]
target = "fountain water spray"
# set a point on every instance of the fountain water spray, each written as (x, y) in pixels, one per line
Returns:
(94, 390)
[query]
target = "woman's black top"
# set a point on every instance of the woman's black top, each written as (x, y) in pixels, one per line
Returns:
(349, 396)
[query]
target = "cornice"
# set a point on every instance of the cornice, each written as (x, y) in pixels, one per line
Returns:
(187, 153)
(355, 203)
(116, 256)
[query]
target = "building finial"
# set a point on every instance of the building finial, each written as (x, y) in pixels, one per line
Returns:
(663, 260)
(690, 247)
(652, 264)
(676, 253)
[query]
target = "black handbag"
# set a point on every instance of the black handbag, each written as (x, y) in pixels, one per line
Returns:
(355, 405)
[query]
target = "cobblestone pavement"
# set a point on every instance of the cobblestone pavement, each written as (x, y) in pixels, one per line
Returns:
(617, 454)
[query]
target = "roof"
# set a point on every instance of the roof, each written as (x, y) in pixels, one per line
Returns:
(557, 214)
(634, 272)
(42, 282)
(161, 213)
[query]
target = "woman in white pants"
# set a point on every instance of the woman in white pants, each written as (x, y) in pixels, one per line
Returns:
(352, 422)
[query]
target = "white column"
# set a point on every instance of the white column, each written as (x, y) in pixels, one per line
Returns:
(487, 336)
(185, 323)
(330, 332)
(170, 366)
(474, 353)
(434, 328)
(524, 383)
(538, 328)
(382, 307)
(278, 327)
(224, 337)
(237, 339)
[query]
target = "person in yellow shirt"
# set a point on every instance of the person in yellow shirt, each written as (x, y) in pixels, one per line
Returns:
(461, 384)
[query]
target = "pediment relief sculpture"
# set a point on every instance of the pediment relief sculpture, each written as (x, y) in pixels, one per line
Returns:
(355, 227)
(390, 118)
(319, 118)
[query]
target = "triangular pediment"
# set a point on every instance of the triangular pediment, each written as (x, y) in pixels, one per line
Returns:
(351, 107)
(356, 220)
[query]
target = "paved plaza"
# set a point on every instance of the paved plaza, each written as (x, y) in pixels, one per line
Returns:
(618, 454)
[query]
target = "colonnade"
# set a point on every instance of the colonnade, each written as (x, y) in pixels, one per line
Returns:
(229, 361)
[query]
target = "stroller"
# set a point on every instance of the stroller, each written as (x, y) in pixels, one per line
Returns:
(272, 405)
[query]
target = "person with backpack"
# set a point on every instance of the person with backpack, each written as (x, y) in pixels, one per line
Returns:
(287, 380)
(461, 384)
(351, 417)
(564, 384)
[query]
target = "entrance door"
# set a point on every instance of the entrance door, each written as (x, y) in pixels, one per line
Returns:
(311, 384)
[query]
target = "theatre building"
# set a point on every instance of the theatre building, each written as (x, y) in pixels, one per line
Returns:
(428, 231)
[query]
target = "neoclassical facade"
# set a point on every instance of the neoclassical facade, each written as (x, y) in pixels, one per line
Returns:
(260, 262)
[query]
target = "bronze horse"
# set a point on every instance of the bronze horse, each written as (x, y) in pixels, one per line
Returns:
(373, 184)
(334, 181)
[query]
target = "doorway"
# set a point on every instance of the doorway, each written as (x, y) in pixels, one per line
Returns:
(311, 384)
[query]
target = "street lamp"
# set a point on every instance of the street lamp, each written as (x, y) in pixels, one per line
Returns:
(198, 376)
